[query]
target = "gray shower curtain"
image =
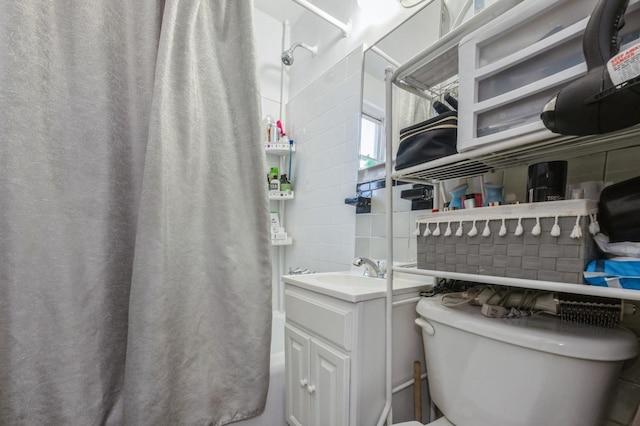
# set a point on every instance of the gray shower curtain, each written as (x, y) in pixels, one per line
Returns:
(135, 273)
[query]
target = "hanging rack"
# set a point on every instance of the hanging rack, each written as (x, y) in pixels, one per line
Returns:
(345, 28)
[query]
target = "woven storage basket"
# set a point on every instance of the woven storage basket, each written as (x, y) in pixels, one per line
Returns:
(544, 257)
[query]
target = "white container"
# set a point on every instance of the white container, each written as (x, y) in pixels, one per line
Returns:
(510, 69)
(532, 371)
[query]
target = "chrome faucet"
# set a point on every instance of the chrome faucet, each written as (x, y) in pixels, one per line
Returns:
(372, 269)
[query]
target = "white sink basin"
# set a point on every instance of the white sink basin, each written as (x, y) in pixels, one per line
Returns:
(348, 279)
(352, 286)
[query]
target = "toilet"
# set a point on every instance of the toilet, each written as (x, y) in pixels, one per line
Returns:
(528, 371)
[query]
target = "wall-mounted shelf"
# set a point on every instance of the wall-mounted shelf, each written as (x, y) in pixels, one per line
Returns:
(285, 242)
(279, 148)
(284, 151)
(282, 195)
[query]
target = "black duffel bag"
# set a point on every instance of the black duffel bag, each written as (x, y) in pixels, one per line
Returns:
(432, 139)
(427, 141)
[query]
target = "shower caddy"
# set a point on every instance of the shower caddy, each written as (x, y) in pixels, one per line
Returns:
(284, 152)
(438, 63)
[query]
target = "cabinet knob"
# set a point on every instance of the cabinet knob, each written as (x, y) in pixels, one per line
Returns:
(303, 383)
(311, 389)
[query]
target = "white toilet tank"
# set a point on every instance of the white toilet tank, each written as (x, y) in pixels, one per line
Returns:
(515, 372)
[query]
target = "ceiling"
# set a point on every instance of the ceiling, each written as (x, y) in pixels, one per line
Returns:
(283, 9)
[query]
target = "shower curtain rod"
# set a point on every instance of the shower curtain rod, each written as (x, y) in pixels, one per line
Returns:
(345, 28)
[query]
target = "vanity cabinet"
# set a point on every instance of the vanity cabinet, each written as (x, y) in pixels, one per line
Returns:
(318, 377)
(335, 353)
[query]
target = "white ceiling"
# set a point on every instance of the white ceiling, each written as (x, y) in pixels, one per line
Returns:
(282, 9)
(400, 45)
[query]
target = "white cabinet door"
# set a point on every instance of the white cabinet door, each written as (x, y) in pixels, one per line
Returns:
(296, 348)
(329, 386)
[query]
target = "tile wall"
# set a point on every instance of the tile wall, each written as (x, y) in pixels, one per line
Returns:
(325, 121)
(371, 235)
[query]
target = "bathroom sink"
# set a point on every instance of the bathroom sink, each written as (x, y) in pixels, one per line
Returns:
(348, 279)
(352, 286)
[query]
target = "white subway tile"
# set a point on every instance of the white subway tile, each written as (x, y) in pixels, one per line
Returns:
(355, 61)
(379, 201)
(400, 204)
(362, 247)
(363, 225)
(401, 249)
(352, 128)
(378, 225)
(401, 224)
(378, 248)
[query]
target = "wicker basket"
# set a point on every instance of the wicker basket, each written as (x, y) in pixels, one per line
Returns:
(497, 246)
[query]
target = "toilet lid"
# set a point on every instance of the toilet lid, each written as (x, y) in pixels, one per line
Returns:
(544, 333)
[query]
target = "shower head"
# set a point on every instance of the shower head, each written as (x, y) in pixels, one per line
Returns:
(287, 55)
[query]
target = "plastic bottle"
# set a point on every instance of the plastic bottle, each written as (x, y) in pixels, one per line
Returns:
(274, 185)
(285, 185)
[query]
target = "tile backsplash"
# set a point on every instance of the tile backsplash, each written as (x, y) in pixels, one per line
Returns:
(371, 229)
(370, 235)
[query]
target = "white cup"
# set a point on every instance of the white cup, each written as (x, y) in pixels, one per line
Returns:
(577, 194)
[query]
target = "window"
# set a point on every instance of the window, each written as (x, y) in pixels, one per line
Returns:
(372, 150)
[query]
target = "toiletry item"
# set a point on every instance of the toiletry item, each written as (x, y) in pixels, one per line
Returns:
(290, 155)
(469, 201)
(285, 185)
(546, 181)
(577, 194)
(274, 133)
(493, 193)
(268, 123)
(591, 189)
(280, 235)
(274, 185)
(275, 221)
(457, 195)
(273, 173)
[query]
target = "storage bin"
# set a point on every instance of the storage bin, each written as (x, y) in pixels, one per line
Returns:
(544, 257)
(510, 69)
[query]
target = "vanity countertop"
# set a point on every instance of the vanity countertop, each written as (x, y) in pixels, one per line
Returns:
(352, 286)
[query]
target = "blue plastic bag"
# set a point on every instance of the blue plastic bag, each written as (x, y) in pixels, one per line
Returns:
(620, 272)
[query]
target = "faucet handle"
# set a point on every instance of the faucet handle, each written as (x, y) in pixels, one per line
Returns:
(382, 267)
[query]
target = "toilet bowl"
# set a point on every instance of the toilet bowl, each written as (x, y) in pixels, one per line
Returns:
(526, 371)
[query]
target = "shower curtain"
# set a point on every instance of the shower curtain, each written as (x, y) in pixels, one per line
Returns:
(135, 272)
